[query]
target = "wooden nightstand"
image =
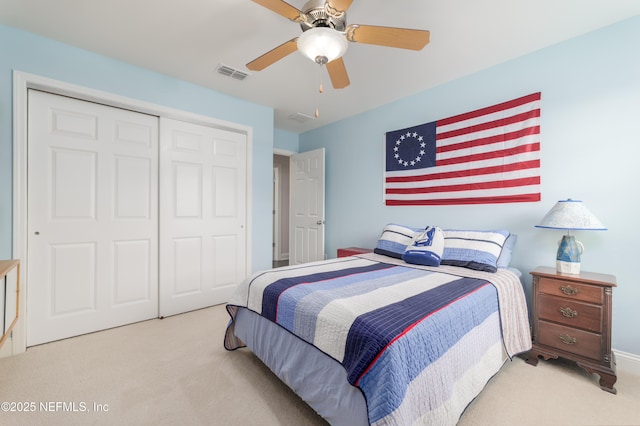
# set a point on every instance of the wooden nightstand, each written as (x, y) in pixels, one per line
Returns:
(351, 251)
(572, 319)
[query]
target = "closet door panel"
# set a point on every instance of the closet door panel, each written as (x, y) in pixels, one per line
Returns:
(202, 215)
(92, 217)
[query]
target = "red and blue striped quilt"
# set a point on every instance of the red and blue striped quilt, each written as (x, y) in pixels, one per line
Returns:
(395, 327)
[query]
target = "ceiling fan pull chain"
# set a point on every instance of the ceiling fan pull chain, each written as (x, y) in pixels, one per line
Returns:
(320, 90)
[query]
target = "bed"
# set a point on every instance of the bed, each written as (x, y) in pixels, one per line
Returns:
(371, 339)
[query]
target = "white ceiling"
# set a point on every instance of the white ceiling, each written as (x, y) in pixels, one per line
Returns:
(187, 39)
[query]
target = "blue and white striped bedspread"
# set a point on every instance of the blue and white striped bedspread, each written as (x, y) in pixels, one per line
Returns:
(393, 325)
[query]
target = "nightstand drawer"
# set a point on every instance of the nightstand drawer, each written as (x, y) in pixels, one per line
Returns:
(570, 312)
(577, 291)
(569, 339)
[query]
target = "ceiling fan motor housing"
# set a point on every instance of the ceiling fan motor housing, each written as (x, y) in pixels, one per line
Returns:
(320, 14)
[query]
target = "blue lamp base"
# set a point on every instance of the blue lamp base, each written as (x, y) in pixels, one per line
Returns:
(568, 258)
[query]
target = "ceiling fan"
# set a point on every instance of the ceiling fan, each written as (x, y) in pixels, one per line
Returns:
(326, 35)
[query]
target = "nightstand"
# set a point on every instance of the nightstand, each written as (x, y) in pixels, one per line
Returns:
(351, 251)
(572, 319)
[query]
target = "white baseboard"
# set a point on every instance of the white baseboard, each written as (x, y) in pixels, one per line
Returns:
(280, 257)
(629, 363)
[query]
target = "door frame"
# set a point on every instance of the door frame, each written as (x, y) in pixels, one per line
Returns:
(276, 213)
(23, 81)
(277, 237)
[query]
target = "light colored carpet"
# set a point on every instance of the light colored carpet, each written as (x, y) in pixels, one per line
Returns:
(175, 371)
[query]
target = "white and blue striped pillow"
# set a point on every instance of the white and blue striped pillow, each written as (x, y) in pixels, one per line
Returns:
(394, 240)
(507, 250)
(478, 250)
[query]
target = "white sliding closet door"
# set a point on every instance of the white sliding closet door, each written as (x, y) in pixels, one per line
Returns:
(92, 217)
(202, 215)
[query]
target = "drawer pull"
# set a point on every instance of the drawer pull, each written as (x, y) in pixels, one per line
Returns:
(567, 340)
(568, 313)
(568, 290)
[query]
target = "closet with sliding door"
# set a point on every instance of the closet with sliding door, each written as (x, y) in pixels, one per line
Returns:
(130, 216)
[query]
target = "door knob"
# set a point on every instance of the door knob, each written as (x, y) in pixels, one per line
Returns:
(319, 222)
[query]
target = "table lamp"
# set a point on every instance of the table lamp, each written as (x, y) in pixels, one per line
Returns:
(571, 215)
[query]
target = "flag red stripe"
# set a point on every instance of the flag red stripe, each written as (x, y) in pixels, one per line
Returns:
(535, 130)
(488, 155)
(489, 125)
(503, 168)
(522, 198)
(507, 183)
(489, 110)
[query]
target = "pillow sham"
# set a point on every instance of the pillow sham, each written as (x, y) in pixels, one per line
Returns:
(478, 250)
(394, 240)
(426, 247)
(507, 250)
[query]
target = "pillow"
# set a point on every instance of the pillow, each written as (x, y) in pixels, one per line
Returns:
(505, 257)
(426, 248)
(478, 250)
(394, 240)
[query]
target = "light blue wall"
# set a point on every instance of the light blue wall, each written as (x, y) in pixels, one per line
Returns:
(26, 52)
(590, 137)
(286, 140)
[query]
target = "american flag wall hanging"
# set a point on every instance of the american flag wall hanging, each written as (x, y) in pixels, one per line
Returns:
(491, 155)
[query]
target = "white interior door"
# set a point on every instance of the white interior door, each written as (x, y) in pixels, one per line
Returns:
(203, 215)
(92, 217)
(306, 236)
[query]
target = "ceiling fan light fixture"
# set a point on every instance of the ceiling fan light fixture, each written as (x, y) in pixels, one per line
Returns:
(322, 44)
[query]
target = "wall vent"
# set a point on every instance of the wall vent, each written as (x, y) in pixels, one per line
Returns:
(232, 72)
(301, 118)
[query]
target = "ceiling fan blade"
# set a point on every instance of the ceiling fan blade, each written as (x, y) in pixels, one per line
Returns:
(283, 8)
(338, 74)
(403, 38)
(339, 6)
(274, 55)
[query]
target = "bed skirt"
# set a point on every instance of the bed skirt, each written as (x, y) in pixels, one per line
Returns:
(333, 398)
(315, 377)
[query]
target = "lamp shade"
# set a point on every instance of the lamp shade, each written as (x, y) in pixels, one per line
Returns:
(322, 44)
(571, 214)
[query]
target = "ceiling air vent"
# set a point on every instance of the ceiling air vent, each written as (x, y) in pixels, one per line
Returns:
(301, 118)
(232, 72)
